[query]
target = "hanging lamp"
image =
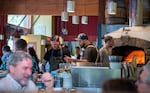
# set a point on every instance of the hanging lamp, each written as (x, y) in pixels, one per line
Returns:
(84, 18)
(70, 6)
(64, 13)
(112, 7)
(64, 16)
(75, 19)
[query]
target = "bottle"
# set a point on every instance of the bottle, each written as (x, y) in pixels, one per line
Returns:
(58, 81)
(47, 67)
(67, 79)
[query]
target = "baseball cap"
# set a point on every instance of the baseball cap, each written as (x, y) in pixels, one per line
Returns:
(82, 36)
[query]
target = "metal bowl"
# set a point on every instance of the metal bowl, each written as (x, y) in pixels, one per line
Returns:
(115, 58)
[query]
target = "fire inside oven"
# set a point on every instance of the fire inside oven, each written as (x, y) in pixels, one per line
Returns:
(129, 52)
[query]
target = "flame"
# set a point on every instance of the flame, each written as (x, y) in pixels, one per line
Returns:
(140, 57)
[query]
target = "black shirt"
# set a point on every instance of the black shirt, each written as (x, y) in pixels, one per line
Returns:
(56, 53)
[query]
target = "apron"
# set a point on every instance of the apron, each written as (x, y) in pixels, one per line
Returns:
(54, 61)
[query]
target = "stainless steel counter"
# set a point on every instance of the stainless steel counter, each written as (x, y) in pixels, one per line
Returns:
(92, 76)
(75, 90)
(78, 90)
(88, 90)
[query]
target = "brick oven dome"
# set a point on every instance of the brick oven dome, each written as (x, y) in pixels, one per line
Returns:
(135, 32)
(132, 36)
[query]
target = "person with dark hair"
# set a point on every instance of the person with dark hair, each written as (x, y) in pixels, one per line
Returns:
(35, 61)
(6, 53)
(105, 51)
(77, 52)
(119, 86)
(18, 78)
(55, 55)
(21, 44)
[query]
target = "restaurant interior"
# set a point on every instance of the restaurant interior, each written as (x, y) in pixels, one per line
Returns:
(127, 21)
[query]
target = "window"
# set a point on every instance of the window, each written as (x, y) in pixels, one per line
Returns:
(20, 20)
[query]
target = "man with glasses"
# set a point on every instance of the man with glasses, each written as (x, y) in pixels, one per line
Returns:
(55, 55)
(143, 84)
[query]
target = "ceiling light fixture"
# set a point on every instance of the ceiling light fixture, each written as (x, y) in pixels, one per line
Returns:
(64, 16)
(84, 18)
(112, 7)
(75, 19)
(70, 6)
(64, 13)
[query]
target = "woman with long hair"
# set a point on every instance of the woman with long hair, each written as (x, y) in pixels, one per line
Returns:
(35, 61)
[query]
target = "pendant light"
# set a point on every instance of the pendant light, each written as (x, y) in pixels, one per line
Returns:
(64, 14)
(112, 7)
(70, 6)
(75, 19)
(84, 18)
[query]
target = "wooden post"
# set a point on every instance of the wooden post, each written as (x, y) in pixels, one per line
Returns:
(3, 22)
(101, 13)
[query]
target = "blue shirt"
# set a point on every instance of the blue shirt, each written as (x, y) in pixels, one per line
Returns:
(4, 58)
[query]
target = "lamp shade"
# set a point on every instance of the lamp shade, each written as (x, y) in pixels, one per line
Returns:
(112, 8)
(75, 19)
(64, 16)
(70, 6)
(84, 20)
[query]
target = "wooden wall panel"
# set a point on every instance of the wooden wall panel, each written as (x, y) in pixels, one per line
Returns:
(47, 7)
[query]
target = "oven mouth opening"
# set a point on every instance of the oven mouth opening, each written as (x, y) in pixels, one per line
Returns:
(130, 53)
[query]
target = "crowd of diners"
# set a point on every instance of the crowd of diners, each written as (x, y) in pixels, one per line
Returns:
(23, 67)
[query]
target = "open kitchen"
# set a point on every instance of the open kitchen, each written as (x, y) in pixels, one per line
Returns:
(81, 44)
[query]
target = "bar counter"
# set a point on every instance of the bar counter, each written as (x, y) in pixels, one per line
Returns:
(88, 78)
(92, 76)
(76, 90)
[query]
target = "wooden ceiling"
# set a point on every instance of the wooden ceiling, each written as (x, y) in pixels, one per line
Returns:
(48, 7)
(53, 7)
